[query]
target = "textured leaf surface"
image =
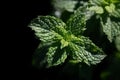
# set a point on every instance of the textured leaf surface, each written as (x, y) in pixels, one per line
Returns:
(97, 9)
(116, 13)
(50, 31)
(87, 52)
(111, 28)
(59, 43)
(47, 28)
(111, 9)
(68, 5)
(117, 43)
(98, 2)
(77, 22)
(55, 56)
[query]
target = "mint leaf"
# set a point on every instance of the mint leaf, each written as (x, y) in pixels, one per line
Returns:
(113, 10)
(116, 13)
(110, 8)
(86, 51)
(110, 28)
(56, 56)
(77, 22)
(68, 5)
(47, 28)
(97, 9)
(38, 59)
(117, 43)
(50, 31)
(109, 14)
(98, 2)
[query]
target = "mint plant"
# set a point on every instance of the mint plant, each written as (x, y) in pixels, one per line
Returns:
(108, 11)
(80, 36)
(60, 40)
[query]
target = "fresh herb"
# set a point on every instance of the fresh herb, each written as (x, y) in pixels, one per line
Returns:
(60, 40)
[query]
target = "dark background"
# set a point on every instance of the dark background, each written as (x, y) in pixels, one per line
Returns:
(22, 39)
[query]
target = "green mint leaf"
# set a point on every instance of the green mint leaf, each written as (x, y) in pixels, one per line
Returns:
(38, 59)
(61, 5)
(110, 28)
(55, 56)
(97, 9)
(86, 51)
(110, 8)
(50, 31)
(98, 2)
(47, 28)
(116, 13)
(117, 43)
(77, 22)
(63, 43)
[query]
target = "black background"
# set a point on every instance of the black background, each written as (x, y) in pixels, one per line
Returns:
(22, 41)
